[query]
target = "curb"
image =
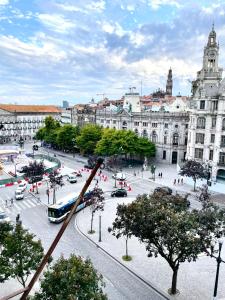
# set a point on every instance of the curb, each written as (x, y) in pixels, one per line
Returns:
(161, 293)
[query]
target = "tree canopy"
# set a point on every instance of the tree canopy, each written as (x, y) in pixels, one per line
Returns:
(66, 137)
(21, 254)
(164, 223)
(193, 169)
(90, 134)
(71, 279)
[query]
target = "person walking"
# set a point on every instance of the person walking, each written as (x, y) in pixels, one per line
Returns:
(174, 182)
(6, 203)
(11, 201)
(178, 180)
(182, 181)
(161, 174)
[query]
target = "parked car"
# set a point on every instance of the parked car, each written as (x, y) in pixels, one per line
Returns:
(35, 179)
(78, 174)
(19, 195)
(163, 189)
(22, 185)
(88, 167)
(72, 178)
(4, 217)
(119, 176)
(119, 193)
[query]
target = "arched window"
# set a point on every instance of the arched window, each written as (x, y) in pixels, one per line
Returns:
(124, 125)
(223, 124)
(154, 137)
(144, 133)
(201, 122)
(175, 139)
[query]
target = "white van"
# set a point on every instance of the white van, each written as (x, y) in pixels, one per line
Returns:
(19, 195)
(4, 217)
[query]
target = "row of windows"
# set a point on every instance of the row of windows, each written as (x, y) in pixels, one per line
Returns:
(199, 155)
(214, 104)
(201, 121)
(200, 138)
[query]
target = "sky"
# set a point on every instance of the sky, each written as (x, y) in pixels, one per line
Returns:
(76, 50)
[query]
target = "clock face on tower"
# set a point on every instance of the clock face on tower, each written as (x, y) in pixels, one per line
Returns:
(211, 54)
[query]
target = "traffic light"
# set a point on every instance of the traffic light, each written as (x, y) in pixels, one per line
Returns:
(1, 126)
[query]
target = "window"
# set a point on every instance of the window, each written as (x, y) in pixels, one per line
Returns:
(164, 154)
(223, 124)
(201, 122)
(145, 124)
(198, 153)
(199, 138)
(214, 105)
(154, 125)
(166, 125)
(165, 140)
(222, 144)
(222, 158)
(114, 121)
(154, 137)
(212, 140)
(176, 126)
(102, 120)
(186, 126)
(211, 155)
(136, 131)
(185, 140)
(202, 104)
(145, 134)
(213, 122)
(107, 121)
(175, 139)
(136, 123)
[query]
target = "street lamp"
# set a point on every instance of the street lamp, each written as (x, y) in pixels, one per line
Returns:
(15, 170)
(218, 260)
(73, 141)
(153, 168)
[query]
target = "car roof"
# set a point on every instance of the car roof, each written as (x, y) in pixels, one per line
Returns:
(19, 190)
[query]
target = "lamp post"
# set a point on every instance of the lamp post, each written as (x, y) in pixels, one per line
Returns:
(218, 260)
(73, 141)
(153, 168)
(100, 229)
(15, 170)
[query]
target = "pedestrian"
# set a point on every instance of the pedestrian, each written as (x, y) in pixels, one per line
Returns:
(17, 218)
(6, 203)
(178, 180)
(174, 182)
(161, 175)
(11, 201)
(182, 181)
(134, 173)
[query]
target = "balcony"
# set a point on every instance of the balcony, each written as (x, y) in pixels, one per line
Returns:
(221, 163)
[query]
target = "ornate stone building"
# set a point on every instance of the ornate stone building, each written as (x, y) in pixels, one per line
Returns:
(206, 138)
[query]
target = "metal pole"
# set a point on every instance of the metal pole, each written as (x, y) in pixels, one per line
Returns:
(100, 224)
(62, 229)
(15, 171)
(217, 271)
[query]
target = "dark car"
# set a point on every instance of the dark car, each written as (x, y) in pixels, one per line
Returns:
(88, 167)
(119, 193)
(164, 190)
(34, 179)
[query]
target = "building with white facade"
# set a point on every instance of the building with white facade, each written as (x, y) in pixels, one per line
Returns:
(206, 138)
(24, 120)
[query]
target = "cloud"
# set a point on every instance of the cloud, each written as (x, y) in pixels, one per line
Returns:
(4, 2)
(56, 22)
(156, 4)
(98, 6)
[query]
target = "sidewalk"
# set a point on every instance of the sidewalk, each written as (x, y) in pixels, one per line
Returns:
(195, 279)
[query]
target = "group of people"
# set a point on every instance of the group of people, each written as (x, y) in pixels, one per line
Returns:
(178, 181)
(160, 175)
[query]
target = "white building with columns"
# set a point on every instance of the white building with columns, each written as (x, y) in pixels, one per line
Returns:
(206, 137)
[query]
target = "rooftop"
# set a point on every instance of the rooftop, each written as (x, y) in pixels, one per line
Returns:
(30, 108)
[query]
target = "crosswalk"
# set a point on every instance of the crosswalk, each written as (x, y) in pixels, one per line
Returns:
(19, 205)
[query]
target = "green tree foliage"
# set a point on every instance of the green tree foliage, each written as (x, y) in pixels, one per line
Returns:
(115, 142)
(66, 137)
(71, 279)
(21, 254)
(164, 223)
(121, 225)
(49, 132)
(193, 169)
(90, 134)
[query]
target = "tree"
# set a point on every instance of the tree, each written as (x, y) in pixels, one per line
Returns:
(193, 169)
(96, 202)
(66, 136)
(34, 169)
(21, 255)
(90, 134)
(168, 228)
(72, 278)
(55, 179)
(121, 227)
(145, 148)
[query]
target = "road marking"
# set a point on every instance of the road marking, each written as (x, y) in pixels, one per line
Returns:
(26, 204)
(17, 207)
(31, 202)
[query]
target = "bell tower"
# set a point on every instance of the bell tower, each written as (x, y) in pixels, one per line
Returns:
(169, 83)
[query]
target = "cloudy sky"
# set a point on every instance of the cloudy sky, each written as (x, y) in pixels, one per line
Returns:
(72, 50)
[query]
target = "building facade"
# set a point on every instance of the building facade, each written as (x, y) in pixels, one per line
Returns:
(206, 138)
(24, 120)
(169, 131)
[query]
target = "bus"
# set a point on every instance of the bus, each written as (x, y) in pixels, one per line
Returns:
(57, 212)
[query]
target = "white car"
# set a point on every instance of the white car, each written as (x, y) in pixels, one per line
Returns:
(22, 185)
(19, 195)
(4, 217)
(119, 176)
(72, 178)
